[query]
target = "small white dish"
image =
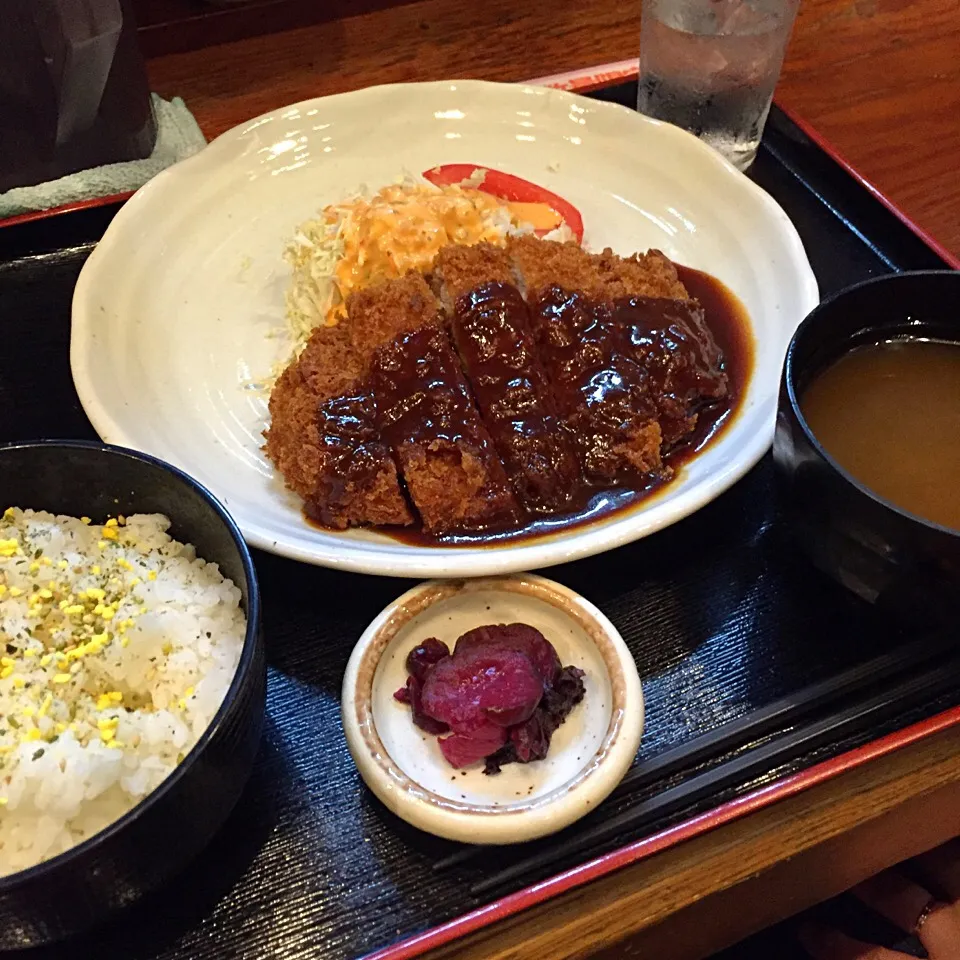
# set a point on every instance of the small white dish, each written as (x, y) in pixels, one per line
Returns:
(176, 309)
(403, 765)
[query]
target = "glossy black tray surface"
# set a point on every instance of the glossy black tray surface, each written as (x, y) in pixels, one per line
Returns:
(729, 627)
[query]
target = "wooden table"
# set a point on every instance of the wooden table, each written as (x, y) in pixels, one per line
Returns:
(881, 80)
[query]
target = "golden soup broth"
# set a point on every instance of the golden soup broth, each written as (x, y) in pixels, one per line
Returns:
(889, 414)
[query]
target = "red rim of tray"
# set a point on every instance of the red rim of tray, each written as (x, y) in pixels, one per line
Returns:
(584, 81)
(641, 849)
(66, 208)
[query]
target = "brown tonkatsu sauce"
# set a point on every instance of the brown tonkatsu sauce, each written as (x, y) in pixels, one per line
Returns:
(425, 412)
(351, 440)
(491, 330)
(606, 406)
(727, 321)
(671, 342)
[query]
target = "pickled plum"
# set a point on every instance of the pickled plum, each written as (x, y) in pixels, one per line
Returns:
(531, 740)
(501, 694)
(518, 637)
(425, 655)
(468, 691)
(410, 694)
(462, 751)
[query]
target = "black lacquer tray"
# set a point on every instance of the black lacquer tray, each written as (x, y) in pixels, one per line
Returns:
(754, 667)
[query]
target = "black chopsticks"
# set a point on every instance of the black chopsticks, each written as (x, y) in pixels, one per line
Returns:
(921, 687)
(736, 735)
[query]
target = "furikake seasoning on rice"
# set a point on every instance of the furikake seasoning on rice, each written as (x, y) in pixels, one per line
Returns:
(117, 646)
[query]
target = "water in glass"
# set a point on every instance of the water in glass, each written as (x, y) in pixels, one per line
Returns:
(710, 66)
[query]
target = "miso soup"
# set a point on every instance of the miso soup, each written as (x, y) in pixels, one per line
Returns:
(889, 414)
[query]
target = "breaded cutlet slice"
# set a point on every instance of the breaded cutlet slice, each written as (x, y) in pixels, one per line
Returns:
(490, 327)
(649, 274)
(459, 269)
(323, 438)
(605, 398)
(426, 413)
(603, 395)
(668, 335)
(542, 264)
(671, 340)
(448, 464)
(323, 435)
(602, 276)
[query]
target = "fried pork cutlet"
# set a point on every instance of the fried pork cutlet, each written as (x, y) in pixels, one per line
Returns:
(671, 340)
(603, 395)
(597, 369)
(541, 264)
(323, 435)
(425, 412)
(667, 335)
(323, 438)
(490, 327)
(663, 330)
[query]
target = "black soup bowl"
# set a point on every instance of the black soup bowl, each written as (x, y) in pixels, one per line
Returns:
(138, 852)
(902, 563)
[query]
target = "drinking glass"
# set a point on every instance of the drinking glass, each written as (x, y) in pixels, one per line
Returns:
(710, 66)
(73, 89)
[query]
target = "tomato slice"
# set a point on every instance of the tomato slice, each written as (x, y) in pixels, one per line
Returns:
(505, 186)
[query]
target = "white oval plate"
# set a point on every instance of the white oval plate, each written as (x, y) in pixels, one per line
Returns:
(174, 310)
(588, 755)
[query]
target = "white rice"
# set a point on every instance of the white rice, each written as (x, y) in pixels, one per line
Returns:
(102, 693)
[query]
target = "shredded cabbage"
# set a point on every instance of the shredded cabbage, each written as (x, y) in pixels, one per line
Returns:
(373, 237)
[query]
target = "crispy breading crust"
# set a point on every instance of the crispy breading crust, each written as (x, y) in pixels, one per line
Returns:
(326, 435)
(541, 264)
(343, 490)
(490, 326)
(458, 270)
